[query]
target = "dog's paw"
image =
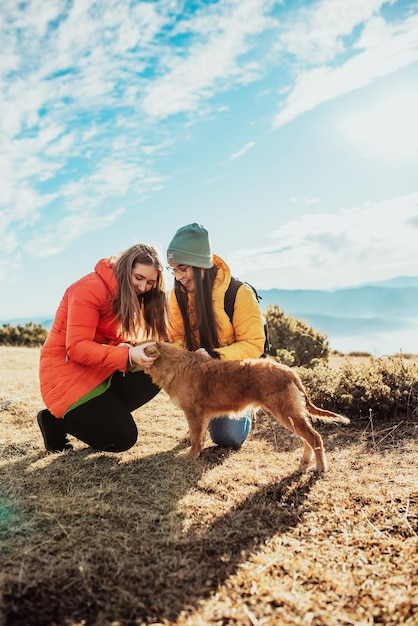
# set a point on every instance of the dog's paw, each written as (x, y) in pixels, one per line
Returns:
(303, 466)
(187, 454)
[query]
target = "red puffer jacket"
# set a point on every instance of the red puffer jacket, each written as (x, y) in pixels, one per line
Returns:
(82, 349)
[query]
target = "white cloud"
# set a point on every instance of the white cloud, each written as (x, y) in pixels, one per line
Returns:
(92, 54)
(304, 201)
(321, 251)
(58, 236)
(211, 64)
(67, 64)
(64, 68)
(243, 150)
(315, 35)
(386, 48)
(84, 205)
(386, 128)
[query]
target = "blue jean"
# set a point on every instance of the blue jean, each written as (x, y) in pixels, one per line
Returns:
(229, 432)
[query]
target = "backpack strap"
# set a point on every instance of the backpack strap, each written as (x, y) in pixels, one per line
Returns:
(230, 295)
(229, 302)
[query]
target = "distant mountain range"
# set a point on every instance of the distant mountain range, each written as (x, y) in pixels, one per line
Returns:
(363, 302)
(379, 318)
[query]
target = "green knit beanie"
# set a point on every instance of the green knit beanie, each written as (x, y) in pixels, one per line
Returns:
(191, 246)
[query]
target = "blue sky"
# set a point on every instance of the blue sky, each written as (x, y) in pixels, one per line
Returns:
(289, 129)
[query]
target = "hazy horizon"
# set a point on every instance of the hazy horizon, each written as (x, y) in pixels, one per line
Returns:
(370, 324)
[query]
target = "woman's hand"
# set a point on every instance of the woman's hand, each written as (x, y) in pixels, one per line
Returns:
(138, 357)
(203, 352)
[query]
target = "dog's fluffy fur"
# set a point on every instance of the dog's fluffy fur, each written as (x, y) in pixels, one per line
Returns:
(205, 388)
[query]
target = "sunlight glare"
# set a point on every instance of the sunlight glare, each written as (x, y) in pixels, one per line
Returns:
(388, 128)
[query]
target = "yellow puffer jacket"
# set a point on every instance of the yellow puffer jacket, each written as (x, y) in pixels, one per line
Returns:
(244, 338)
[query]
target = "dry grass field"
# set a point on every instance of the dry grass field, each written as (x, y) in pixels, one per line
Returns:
(234, 538)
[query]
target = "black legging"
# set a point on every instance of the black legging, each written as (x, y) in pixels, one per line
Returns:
(105, 423)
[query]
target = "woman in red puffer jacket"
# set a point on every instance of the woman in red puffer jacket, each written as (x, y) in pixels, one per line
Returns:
(85, 362)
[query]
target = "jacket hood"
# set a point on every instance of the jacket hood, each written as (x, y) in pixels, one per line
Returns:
(105, 268)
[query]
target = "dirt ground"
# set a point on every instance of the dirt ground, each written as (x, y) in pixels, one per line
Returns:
(233, 538)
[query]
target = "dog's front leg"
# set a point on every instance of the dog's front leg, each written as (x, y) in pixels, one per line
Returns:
(197, 433)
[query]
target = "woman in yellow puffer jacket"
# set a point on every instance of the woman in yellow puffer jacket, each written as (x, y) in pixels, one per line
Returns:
(198, 320)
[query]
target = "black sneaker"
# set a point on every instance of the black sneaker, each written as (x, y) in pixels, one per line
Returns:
(52, 429)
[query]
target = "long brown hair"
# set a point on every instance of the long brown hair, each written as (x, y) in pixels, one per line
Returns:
(203, 311)
(145, 314)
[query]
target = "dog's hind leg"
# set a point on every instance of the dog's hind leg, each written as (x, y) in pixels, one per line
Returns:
(306, 456)
(312, 444)
(288, 408)
(293, 409)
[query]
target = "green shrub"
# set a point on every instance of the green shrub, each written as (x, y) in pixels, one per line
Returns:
(30, 335)
(386, 389)
(293, 342)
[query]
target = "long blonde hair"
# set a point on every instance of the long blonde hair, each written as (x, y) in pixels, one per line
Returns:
(144, 315)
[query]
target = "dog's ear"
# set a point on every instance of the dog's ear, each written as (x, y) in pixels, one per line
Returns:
(152, 350)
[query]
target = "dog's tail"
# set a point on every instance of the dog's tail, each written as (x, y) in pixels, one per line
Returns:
(322, 414)
(315, 411)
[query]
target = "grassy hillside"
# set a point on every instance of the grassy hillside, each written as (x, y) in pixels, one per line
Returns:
(234, 538)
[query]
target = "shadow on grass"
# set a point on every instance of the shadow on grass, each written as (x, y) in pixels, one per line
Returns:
(108, 541)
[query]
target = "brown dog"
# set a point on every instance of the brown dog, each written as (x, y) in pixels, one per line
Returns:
(205, 388)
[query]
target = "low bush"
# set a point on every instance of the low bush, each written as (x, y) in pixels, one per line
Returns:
(30, 335)
(293, 342)
(385, 388)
